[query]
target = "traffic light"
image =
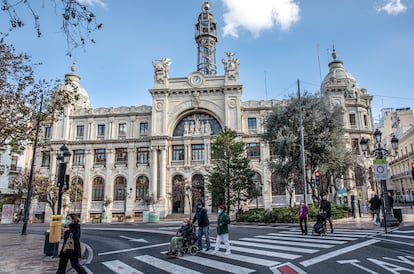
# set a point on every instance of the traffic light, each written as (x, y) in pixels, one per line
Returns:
(66, 183)
(313, 183)
(412, 171)
(318, 177)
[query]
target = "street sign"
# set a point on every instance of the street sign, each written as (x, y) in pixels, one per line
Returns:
(380, 167)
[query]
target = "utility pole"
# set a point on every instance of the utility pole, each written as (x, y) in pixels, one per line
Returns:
(302, 148)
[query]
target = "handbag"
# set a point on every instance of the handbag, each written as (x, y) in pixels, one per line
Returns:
(69, 245)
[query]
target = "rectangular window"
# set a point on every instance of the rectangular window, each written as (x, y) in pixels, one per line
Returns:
(143, 155)
(121, 155)
(365, 120)
(14, 160)
(45, 158)
(143, 128)
(355, 146)
(251, 123)
(272, 151)
(122, 130)
(253, 150)
(100, 156)
(79, 157)
(178, 153)
(352, 119)
(98, 194)
(197, 152)
(48, 132)
(80, 131)
(101, 130)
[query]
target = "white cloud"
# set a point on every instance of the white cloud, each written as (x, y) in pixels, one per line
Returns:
(393, 7)
(92, 2)
(257, 16)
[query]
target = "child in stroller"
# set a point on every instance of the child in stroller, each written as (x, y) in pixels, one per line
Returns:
(320, 226)
(185, 240)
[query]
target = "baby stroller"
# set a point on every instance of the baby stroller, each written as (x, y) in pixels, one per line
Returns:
(188, 244)
(320, 226)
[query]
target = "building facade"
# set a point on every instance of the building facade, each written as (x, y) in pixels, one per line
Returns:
(127, 160)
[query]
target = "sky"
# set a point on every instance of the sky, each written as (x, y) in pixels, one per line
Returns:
(277, 42)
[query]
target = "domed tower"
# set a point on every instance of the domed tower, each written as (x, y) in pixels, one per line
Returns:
(341, 89)
(206, 37)
(72, 84)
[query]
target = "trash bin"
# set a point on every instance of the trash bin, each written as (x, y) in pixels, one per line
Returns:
(145, 216)
(154, 217)
(397, 214)
(48, 248)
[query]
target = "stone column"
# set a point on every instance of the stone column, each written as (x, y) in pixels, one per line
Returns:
(154, 172)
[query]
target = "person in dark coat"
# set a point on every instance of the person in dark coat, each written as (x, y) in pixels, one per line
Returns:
(203, 223)
(326, 209)
(303, 212)
(376, 206)
(185, 229)
(223, 221)
(72, 228)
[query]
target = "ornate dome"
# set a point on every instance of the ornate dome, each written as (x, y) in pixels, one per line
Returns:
(72, 83)
(338, 79)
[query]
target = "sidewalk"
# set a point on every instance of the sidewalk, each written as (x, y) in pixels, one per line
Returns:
(24, 254)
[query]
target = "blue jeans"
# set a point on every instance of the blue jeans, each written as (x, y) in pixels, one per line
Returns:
(203, 230)
(377, 213)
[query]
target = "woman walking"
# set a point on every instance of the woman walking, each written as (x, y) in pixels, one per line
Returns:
(303, 217)
(223, 220)
(71, 230)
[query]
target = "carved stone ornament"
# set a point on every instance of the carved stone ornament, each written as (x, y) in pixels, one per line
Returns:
(159, 106)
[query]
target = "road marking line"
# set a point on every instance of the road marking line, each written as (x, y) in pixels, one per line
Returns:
(131, 230)
(121, 268)
(338, 252)
(264, 252)
(304, 238)
(355, 263)
(277, 247)
(294, 243)
(399, 236)
(287, 268)
(403, 231)
(217, 264)
(166, 266)
(247, 259)
(131, 249)
(332, 236)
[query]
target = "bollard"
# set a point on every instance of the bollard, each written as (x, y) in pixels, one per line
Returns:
(55, 233)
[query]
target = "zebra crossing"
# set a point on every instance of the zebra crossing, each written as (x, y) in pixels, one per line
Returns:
(249, 254)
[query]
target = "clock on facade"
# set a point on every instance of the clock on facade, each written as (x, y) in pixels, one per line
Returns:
(196, 80)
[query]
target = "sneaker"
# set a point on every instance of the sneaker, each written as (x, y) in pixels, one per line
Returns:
(207, 249)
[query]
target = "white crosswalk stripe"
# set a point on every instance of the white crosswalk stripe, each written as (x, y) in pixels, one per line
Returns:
(259, 250)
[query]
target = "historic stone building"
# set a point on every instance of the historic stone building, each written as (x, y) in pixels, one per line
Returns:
(126, 160)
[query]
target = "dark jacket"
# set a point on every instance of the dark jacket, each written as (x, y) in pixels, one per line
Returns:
(326, 208)
(223, 220)
(74, 228)
(185, 229)
(201, 217)
(375, 203)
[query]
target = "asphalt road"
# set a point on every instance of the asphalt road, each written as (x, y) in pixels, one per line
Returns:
(255, 249)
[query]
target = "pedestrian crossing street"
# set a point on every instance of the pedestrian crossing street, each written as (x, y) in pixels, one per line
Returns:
(248, 254)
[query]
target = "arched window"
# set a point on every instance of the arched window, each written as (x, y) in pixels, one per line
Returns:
(120, 188)
(278, 187)
(178, 194)
(98, 189)
(76, 189)
(142, 187)
(198, 191)
(197, 124)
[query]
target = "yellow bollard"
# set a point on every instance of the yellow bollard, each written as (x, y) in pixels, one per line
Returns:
(55, 233)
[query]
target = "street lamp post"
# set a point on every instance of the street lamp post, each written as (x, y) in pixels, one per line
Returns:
(63, 158)
(381, 153)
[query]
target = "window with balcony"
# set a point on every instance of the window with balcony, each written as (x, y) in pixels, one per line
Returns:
(178, 153)
(45, 158)
(100, 156)
(98, 189)
(253, 150)
(80, 131)
(122, 128)
(197, 152)
(79, 157)
(121, 156)
(14, 160)
(143, 129)
(101, 130)
(143, 155)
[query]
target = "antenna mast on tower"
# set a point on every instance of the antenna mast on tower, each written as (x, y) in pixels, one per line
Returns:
(206, 38)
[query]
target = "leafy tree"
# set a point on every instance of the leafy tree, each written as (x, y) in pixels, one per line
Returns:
(230, 179)
(25, 103)
(78, 21)
(323, 139)
(44, 188)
